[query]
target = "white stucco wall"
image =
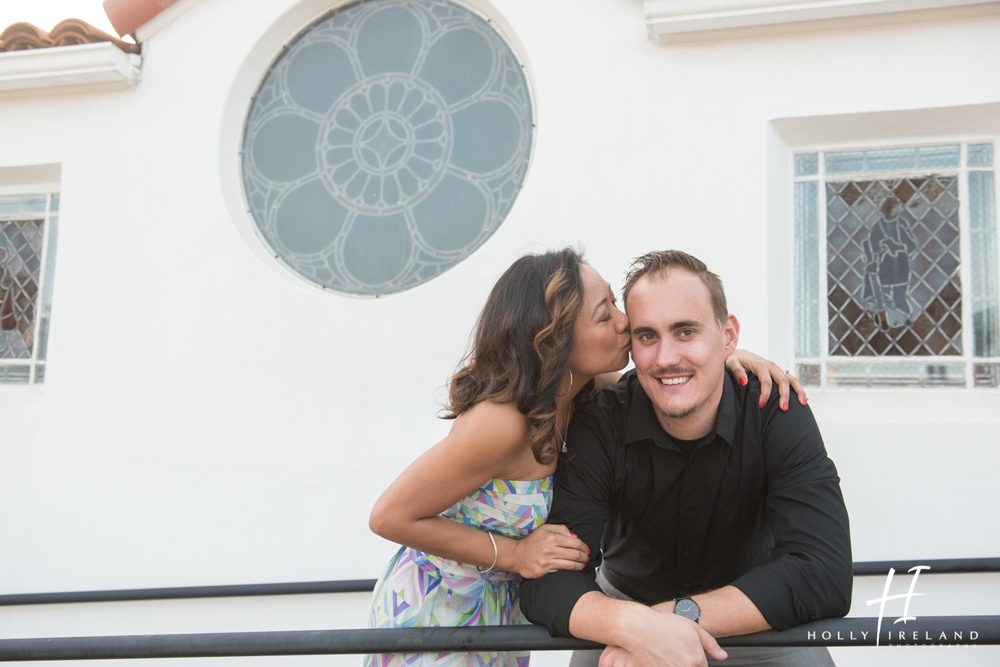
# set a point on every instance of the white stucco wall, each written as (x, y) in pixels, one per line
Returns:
(207, 418)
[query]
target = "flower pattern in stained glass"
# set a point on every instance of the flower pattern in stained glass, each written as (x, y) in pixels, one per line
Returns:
(386, 144)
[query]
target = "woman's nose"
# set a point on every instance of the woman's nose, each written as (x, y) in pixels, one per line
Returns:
(621, 321)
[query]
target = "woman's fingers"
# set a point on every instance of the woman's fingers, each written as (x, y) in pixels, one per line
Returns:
(800, 391)
(563, 536)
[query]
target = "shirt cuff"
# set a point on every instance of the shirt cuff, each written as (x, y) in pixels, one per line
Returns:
(772, 597)
(549, 601)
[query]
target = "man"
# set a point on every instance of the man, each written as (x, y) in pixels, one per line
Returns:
(720, 516)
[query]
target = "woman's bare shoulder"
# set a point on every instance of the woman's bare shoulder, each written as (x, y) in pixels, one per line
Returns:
(496, 426)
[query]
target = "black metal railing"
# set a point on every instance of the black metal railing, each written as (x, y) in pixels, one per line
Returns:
(930, 630)
(184, 592)
(861, 569)
(852, 631)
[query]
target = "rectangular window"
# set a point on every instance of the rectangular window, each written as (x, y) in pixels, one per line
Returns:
(28, 224)
(896, 266)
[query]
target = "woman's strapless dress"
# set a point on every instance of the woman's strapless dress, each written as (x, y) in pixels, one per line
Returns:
(421, 590)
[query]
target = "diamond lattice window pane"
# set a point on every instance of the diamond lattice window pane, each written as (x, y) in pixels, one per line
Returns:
(893, 261)
(20, 269)
(386, 144)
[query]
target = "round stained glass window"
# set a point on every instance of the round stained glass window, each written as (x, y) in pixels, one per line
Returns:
(386, 143)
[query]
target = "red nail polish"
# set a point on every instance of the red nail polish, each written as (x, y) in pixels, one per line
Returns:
(784, 407)
(805, 400)
(762, 404)
(743, 381)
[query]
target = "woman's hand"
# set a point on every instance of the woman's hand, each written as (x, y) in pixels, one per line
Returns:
(549, 547)
(767, 372)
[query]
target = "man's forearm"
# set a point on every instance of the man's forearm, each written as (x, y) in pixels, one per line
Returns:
(725, 611)
(602, 619)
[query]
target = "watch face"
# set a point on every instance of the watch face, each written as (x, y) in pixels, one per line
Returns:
(687, 608)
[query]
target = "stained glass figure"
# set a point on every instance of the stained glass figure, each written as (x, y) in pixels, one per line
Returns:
(887, 273)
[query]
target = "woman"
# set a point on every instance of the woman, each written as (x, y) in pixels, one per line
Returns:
(471, 510)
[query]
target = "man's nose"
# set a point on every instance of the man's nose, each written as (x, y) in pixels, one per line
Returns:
(667, 353)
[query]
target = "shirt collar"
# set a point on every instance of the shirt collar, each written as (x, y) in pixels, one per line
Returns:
(642, 424)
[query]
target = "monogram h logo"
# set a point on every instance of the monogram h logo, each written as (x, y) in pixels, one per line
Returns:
(908, 596)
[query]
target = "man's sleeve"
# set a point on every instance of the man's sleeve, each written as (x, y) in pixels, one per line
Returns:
(580, 501)
(810, 575)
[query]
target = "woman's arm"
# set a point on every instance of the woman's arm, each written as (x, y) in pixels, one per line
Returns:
(485, 442)
(768, 372)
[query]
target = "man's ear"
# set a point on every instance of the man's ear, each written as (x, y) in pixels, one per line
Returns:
(731, 333)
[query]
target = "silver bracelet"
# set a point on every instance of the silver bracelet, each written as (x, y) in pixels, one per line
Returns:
(495, 554)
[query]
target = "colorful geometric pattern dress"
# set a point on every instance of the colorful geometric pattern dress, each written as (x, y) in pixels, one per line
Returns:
(421, 590)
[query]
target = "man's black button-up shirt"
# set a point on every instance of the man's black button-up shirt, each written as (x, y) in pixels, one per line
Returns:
(755, 504)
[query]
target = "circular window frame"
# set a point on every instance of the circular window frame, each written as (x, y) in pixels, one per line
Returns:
(257, 66)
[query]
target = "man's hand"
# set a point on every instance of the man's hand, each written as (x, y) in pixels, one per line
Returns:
(637, 635)
(678, 642)
(614, 656)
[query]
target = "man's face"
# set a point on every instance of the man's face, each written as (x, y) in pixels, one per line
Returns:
(679, 350)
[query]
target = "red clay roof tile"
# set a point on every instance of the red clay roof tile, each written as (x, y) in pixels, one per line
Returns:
(127, 16)
(21, 36)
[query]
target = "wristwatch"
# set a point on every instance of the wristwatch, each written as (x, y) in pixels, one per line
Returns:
(687, 608)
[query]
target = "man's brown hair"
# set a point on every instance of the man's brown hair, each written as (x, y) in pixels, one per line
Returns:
(662, 261)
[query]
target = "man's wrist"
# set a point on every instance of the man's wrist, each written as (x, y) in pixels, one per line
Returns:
(667, 607)
(686, 607)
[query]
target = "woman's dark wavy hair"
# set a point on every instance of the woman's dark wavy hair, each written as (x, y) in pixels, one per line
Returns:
(521, 347)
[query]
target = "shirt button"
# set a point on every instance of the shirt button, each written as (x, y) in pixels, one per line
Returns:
(686, 553)
(690, 465)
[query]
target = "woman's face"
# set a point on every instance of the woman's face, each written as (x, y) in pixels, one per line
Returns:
(600, 335)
